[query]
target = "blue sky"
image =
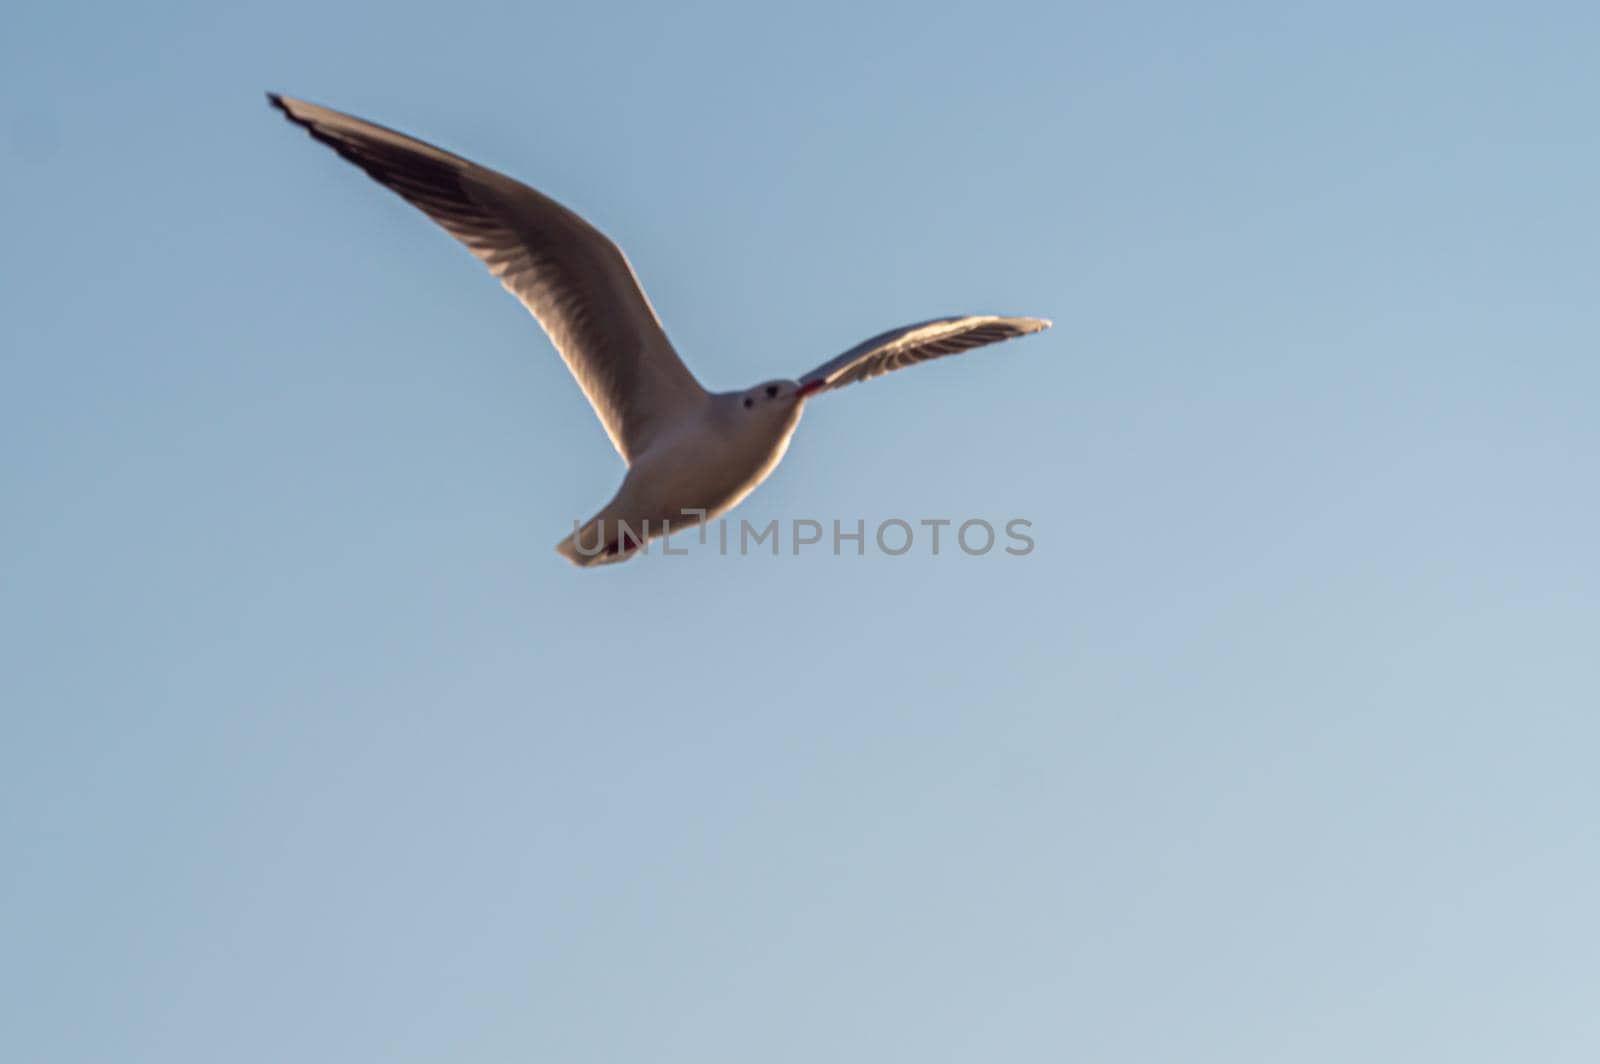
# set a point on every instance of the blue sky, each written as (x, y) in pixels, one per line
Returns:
(1279, 746)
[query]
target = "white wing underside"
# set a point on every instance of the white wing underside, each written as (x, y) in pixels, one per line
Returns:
(575, 281)
(913, 344)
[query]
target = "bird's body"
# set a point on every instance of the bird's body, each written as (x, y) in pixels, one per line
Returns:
(692, 455)
(696, 473)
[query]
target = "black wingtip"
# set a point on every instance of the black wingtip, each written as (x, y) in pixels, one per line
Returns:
(283, 105)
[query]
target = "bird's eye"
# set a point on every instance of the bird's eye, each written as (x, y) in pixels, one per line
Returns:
(772, 391)
(748, 402)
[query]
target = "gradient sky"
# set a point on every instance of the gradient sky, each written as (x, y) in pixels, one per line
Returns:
(1280, 746)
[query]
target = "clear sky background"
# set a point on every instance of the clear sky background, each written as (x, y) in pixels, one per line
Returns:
(1280, 746)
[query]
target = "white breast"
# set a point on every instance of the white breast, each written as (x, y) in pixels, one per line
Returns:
(705, 466)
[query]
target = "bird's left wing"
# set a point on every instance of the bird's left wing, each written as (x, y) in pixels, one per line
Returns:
(911, 344)
(577, 283)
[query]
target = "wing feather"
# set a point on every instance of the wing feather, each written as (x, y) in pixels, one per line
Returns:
(574, 280)
(913, 344)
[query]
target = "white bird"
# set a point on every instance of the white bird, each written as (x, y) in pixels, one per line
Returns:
(692, 455)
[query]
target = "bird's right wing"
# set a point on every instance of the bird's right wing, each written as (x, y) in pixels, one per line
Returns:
(911, 344)
(577, 283)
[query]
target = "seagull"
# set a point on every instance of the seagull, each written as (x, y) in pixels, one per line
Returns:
(691, 455)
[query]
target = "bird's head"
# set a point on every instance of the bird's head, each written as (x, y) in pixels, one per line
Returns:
(781, 395)
(766, 409)
(773, 395)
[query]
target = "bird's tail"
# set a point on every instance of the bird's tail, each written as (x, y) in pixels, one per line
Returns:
(588, 546)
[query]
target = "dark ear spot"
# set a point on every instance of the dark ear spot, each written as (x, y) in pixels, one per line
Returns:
(748, 402)
(772, 391)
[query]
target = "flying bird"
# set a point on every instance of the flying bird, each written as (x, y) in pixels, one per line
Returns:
(692, 455)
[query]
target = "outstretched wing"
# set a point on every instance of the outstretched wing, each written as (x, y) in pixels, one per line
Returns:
(577, 283)
(911, 344)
